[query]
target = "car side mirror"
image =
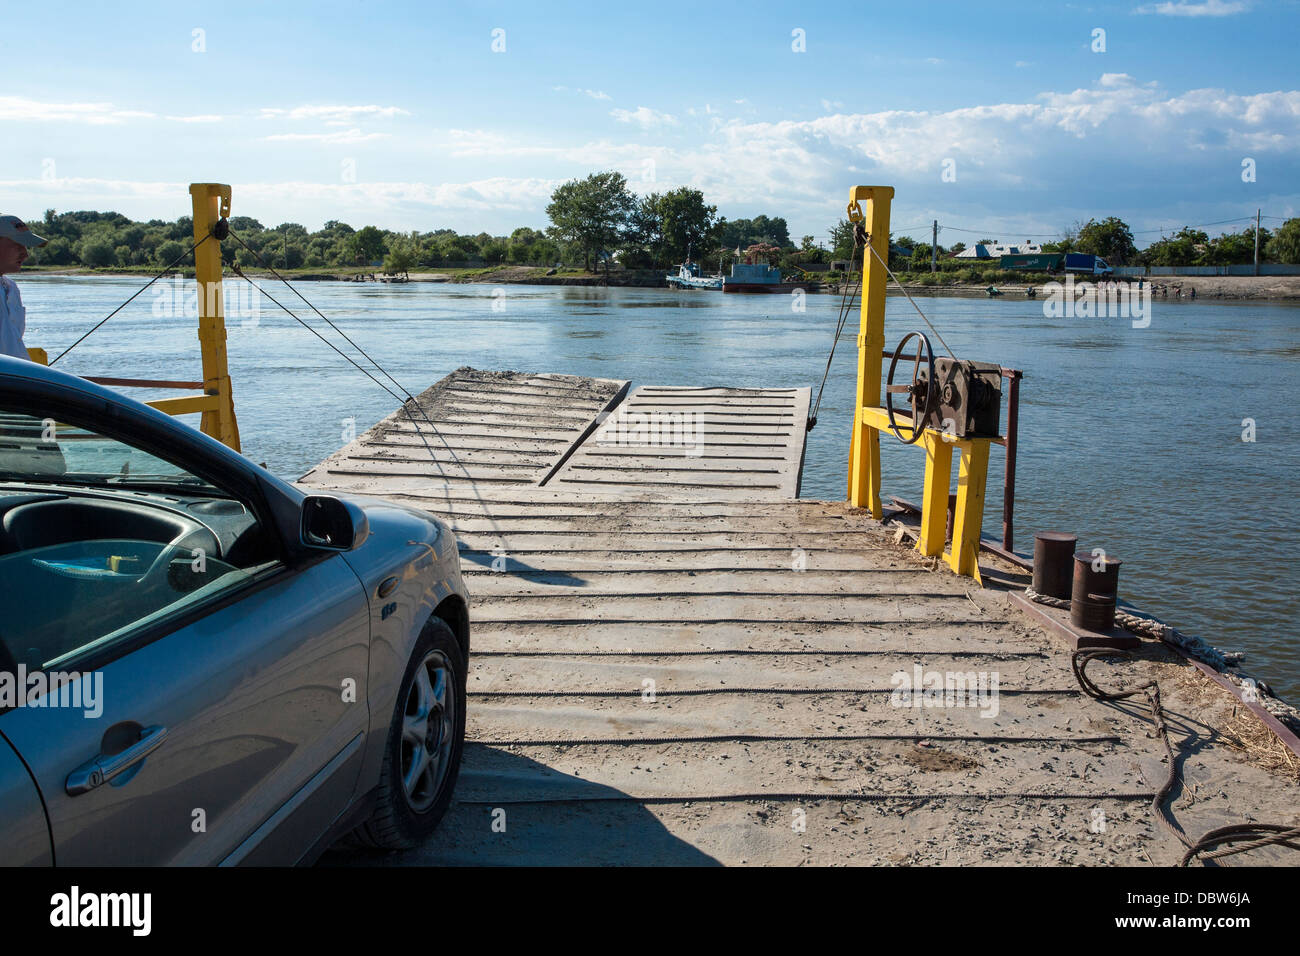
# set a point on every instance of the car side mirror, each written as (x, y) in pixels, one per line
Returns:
(331, 524)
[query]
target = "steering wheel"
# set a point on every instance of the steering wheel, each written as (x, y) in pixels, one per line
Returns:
(920, 393)
(183, 548)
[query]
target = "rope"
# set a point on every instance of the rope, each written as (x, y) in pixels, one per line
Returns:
(166, 269)
(809, 796)
(1143, 626)
(405, 403)
(239, 239)
(1251, 836)
(910, 299)
(706, 691)
(769, 738)
(846, 309)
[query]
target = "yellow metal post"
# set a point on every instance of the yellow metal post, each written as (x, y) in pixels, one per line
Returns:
(212, 203)
(972, 475)
(934, 504)
(864, 446)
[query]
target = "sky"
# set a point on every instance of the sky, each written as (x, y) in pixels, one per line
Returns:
(1006, 120)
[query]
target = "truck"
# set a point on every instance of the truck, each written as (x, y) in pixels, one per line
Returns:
(1088, 265)
(1033, 262)
(1076, 262)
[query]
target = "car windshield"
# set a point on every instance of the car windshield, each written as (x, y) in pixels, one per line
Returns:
(43, 451)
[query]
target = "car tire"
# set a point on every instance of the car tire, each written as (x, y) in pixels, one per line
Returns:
(412, 801)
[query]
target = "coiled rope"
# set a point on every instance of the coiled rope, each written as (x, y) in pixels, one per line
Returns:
(1238, 838)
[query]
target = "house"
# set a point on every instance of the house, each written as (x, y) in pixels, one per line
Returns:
(994, 250)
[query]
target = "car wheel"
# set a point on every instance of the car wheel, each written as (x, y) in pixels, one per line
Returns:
(425, 740)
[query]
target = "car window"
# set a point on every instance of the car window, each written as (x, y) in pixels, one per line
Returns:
(99, 539)
(41, 449)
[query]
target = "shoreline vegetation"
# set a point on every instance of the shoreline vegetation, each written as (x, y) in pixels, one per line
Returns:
(1012, 286)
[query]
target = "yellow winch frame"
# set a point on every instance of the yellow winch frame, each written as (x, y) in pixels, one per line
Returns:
(870, 417)
(211, 203)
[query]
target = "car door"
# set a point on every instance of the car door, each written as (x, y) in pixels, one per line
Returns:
(25, 837)
(170, 711)
(258, 710)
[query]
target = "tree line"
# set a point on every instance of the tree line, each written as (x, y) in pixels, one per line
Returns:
(598, 220)
(1112, 239)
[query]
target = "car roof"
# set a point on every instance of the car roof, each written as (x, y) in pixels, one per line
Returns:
(37, 372)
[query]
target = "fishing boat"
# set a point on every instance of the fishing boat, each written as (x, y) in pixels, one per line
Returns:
(688, 277)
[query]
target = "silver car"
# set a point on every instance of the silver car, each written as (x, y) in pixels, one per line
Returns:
(201, 663)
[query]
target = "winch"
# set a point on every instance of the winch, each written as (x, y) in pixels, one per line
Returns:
(959, 397)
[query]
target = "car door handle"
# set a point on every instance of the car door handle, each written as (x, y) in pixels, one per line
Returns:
(100, 770)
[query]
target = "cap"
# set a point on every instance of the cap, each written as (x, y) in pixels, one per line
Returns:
(11, 227)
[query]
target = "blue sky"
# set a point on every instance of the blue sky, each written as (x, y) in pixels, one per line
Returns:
(404, 116)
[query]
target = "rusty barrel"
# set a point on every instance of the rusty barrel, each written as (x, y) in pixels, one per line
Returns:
(1095, 591)
(1053, 566)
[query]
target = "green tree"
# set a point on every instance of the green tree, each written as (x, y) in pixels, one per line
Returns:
(367, 245)
(1111, 239)
(168, 252)
(1235, 248)
(1184, 248)
(458, 248)
(591, 213)
(674, 225)
(841, 239)
(402, 255)
(97, 254)
(741, 233)
(1285, 244)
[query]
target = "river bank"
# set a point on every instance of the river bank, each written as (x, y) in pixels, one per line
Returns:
(1245, 288)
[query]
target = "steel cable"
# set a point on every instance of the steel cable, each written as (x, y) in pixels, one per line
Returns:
(166, 269)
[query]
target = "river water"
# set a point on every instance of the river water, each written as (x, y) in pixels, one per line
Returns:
(1132, 438)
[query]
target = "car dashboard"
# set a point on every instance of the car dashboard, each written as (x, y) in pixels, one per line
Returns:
(78, 563)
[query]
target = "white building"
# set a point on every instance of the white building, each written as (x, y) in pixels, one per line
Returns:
(993, 250)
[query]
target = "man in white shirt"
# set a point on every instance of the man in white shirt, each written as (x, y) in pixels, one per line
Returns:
(15, 240)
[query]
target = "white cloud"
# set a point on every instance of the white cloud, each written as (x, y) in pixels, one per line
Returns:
(21, 109)
(1182, 8)
(335, 115)
(389, 204)
(341, 138)
(594, 94)
(644, 117)
(200, 118)
(1120, 141)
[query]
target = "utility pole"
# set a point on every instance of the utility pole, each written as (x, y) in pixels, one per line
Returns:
(934, 245)
(1257, 242)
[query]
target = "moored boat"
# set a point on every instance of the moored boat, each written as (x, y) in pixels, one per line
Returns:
(758, 277)
(688, 277)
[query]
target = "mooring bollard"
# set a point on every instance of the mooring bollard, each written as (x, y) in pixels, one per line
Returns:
(1052, 565)
(1095, 591)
